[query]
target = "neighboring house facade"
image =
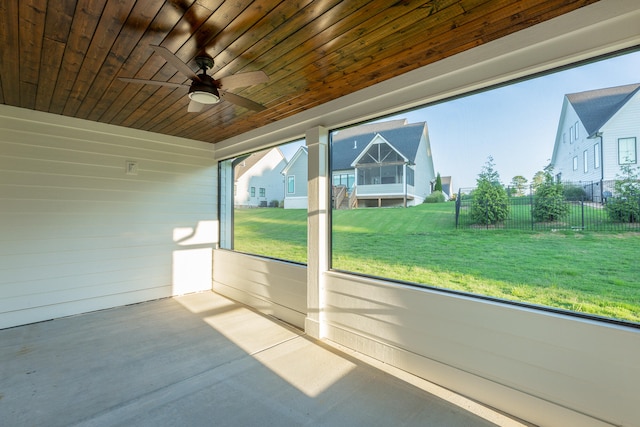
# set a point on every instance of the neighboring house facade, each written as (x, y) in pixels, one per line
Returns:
(383, 164)
(373, 165)
(295, 180)
(257, 178)
(598, 131)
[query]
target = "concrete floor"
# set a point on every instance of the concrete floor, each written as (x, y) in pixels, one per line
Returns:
(203, 360)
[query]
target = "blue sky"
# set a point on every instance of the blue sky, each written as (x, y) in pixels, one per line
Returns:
(515, 124)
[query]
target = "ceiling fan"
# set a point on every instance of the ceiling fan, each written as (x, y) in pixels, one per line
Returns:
(204, 89)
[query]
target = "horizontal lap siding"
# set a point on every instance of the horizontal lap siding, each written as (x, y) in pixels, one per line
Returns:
(582, 365)
(79, 234)
(273, 287)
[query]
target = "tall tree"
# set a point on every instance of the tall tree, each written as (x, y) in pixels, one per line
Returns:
(438, 185)
(519, 182)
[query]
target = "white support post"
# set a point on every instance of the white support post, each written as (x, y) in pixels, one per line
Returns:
(317, 140)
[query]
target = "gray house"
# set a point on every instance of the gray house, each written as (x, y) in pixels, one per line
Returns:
(382, 164)
(598, 131)
(295, 180)
(373, 165)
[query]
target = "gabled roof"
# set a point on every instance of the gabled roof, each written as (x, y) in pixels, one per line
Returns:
(596, 107)
(301, 150)
(347, 145)
(244, 163)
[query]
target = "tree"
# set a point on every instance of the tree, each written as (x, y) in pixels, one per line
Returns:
(549, 203)
(625, 205)
(438, 185)
(490, 202)
(538, 179)
(519, 182)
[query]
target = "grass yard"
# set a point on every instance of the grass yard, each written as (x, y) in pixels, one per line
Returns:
(591, 272)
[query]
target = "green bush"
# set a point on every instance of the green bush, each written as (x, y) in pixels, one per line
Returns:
(490, 202)
(435, 197)
(574, 193)
(549, 203)
(625, 206)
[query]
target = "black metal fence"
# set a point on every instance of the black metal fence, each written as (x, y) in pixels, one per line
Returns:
(581, 210)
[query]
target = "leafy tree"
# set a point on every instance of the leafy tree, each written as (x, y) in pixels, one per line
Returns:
(438, 185)
(538, 179)
(490, 202)
(549, 203)
(625, 205)
(519, 182)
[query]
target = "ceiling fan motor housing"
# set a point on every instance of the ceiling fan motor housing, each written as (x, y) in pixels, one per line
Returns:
(204, 91)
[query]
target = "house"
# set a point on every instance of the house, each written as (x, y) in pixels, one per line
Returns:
(374, 165)
(295, 180)
(109, 196)
(597, 133)
(257, 179)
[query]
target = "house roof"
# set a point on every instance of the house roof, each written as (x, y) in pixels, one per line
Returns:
(245, 163)
(347, 145)
(301, 150)
(596, 107)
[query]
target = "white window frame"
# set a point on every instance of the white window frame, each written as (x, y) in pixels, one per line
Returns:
(634, 150)
(575, 163)
(596, 155)
(585, 160)
(291, 179)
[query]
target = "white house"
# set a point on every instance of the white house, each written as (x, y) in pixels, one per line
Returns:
(378, 164)
(257, 178)
(597, 132)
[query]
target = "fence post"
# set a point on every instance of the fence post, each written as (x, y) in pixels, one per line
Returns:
(458, 201)
(531, 210)
(582, 206)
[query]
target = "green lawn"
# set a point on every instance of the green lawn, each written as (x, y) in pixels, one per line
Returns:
(590, 272)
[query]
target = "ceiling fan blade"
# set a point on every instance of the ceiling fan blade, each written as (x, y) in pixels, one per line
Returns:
(243, 80)
(175, 61)
(194, 107)
(243, 102)
(152, 82)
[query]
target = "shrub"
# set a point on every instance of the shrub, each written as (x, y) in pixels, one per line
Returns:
(574, 193)
(490, 202)
(625, 205)
(549, 203)
(435, 197)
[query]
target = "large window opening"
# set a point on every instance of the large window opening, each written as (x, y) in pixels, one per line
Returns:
(272, 221)
(482, 195)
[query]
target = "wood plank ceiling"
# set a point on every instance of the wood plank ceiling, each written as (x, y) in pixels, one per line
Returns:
(65, 56)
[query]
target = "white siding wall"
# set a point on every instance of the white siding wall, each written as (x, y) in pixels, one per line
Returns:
(570, 149)
(264, 174)
(624, 124)
(78, 234)
(274, 287)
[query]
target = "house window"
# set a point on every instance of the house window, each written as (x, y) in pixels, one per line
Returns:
(428, 245)
(291, 184)
(344, 179)
(627, 151)
(273, 233)
(585, 160)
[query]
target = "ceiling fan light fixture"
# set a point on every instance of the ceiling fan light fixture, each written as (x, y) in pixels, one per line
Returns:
(204, 97)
